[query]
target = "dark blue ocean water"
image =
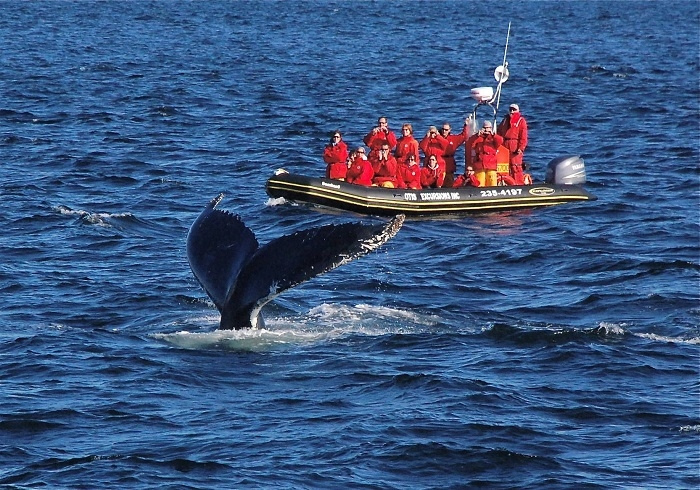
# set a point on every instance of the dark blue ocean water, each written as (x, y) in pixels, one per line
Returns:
(554, 348)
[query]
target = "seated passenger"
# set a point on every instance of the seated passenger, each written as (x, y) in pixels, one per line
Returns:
(467, 179)
(385, 167)
(504, 180)
(359, 169)
(432, 175)
(409, 173)
(335, 154)
(406, 145)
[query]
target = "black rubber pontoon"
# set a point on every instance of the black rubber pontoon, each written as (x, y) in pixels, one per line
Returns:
(389, 202)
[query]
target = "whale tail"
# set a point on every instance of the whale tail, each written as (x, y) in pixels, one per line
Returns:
(241, 277)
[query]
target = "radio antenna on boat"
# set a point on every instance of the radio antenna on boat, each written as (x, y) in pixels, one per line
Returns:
(501, 72)
(485, 96)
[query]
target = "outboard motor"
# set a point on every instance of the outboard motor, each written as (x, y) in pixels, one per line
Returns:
(568, 169)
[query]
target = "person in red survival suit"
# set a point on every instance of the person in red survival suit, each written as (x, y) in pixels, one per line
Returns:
(378, 135)
(453, 142)
(335, 154)
(359, 169)
(406, 145)
(409, 173)
(485, 146)
(432, 175)
(385, 166)
(467, 179)
(433, 143)
(513, 128)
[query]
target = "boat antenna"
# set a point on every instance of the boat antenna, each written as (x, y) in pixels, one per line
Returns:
(501, 73)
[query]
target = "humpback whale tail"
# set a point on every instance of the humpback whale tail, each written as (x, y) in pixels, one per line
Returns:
(240, 277)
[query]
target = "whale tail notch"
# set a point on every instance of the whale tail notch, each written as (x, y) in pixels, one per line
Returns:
(241, 277)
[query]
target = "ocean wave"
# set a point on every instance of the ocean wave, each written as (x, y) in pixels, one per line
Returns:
(28, 425)
(563, 334)
(553, 334)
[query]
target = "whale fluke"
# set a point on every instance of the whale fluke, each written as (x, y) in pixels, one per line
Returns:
(240, 277)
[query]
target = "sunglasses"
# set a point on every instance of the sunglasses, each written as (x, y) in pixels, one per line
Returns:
(513, 110)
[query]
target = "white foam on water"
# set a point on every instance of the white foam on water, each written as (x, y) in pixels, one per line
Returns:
(673, 340)
(370, 318)
(323, 323)
(275, 201)
(98, 219)
(619, 329)
(612, 328)
(253, 340)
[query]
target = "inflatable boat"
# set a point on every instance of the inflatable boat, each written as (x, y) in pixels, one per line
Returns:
(563, 181)
(562, 185)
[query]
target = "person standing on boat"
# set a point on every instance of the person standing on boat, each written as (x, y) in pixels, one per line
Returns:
(335, 154)
(432, 175)
(380, 134)
(484, 148)
(513, 128)
(359, 169)
(434, 144)
(408, 173)
(385, 166)
(453, 142)
(406, 145)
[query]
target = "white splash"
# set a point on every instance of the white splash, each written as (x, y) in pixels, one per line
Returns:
(611, 328)
(275, 201)
(620, 329)
(250, 340)
(99, 219)
(664, 338)
(324, 323)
